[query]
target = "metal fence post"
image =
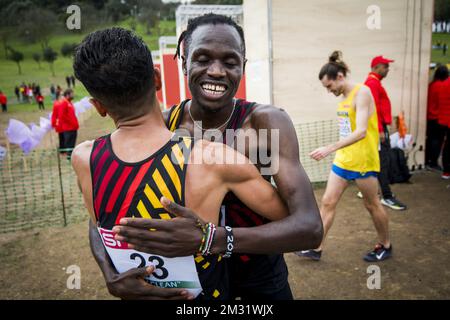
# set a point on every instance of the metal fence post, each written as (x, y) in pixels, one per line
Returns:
(61, 186)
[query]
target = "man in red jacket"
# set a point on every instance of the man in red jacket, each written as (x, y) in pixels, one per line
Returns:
(68, 120)
(380, 69)
(435, 131)
(56, 124)
(3, 101)
(444, 120)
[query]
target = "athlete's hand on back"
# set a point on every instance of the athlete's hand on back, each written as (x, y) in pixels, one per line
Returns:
(176, 237)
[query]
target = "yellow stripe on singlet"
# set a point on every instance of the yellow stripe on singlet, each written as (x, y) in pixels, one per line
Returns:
(162, 185)
(143, 210)
(178, 155)
(172, 173)
(152, 197)
(174, 118)
(199, 259)
(187, 141)
(165, 216)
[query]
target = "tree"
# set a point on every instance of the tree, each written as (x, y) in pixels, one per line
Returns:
(15, 56)
(49, 55)
(68, 49)
(149, 15)
(117, 9)
(441, 10)
(37, 58)
(38, 25)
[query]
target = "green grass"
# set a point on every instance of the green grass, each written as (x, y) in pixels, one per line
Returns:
(31, 72)
(436, 55)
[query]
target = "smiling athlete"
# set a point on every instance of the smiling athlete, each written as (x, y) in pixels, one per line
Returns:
(126, 173)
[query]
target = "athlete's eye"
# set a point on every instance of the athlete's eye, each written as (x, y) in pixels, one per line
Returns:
(202, 59)
(231, 62)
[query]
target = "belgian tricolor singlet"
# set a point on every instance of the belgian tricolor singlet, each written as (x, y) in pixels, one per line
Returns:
(249, 272)
(122, 189)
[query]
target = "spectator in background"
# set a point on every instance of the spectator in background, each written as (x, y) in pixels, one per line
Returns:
(72, 78)
(30, 94)
(56, 123)
(17, 93)
(69, 121)
(68, 81)
(3, 102)
(23, 92)
(53, 92)
(40, 101)
(435, 131)
(380, 69)
(38, 89)
(58, 91)
(444, 120)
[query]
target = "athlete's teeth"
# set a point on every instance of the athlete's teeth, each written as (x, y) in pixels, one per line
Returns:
(214, 89)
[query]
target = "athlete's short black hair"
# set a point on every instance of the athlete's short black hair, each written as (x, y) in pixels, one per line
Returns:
(206, 19)
(116, 67)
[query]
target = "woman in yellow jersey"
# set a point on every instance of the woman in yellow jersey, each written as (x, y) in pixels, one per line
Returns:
(356, 155)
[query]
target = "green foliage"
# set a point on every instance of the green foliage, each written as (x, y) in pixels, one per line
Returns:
(50, 56)
(37, 58)
(442, 10)
(68, 49)
(15, 56)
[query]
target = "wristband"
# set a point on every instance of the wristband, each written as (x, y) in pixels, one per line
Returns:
(230, 242)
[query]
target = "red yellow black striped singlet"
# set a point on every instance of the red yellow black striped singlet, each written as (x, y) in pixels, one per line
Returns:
(122, 189)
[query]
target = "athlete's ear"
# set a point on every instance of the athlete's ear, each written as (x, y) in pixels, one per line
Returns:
(157, 77)
(99, 107)
(183, 65)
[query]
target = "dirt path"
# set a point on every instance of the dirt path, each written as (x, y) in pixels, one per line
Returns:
(31, 263)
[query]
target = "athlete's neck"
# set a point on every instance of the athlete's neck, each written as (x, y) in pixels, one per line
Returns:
(137, 139)
(211, 118)
(348, 87)
(150, 122)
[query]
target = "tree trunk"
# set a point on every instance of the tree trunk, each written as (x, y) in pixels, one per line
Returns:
(18, 66)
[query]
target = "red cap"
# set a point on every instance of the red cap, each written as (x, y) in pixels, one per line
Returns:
(380, 59)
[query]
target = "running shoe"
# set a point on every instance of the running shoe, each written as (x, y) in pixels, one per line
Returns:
(311, 254)
(393, 203)
(446, 175)
(380, 253)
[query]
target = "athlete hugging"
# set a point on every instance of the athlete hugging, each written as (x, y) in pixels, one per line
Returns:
(175, 217)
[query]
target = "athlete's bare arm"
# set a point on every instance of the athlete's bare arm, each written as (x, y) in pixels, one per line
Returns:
(364, 109)
(302, 229)
(217, 169)
(130, 284)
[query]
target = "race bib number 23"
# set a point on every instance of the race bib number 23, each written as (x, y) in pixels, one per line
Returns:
(177, 272)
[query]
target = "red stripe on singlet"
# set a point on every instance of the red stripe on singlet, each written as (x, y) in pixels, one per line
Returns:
(100, 145)
(234, 216)
(100, 164)
(257, 219)
(117, 188)
(131, 191)
(109, 173)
